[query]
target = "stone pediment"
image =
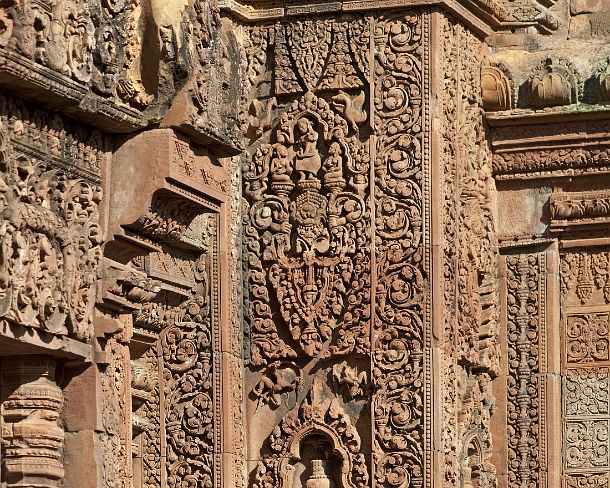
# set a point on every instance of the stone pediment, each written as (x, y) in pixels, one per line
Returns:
(483, 15)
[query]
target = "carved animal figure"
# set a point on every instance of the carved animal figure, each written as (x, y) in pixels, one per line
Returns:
(263, 115)
(351, 109)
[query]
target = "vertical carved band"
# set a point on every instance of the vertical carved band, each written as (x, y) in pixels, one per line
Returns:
(526, 355)
(336, 237)
(399, 327)
(585, 363)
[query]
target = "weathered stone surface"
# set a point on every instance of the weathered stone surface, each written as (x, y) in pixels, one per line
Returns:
(289, 244)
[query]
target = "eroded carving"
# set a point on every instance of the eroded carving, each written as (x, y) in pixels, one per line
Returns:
(49, 225)
(32, 437)
(555, 82)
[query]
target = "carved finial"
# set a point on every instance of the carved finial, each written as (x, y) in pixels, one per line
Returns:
(318, 478)
(554, 82)
(497, 87)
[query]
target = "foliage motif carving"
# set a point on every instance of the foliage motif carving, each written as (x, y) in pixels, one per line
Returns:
(178, 409)
(587, 338)
(399, 327)
(587, 444)
(50, 233)
(115, 438)
(587, 481)
(586, 392)
(585, 277)
(309, 220)
(544, 162)
(585, 356)
(188, 389)
(580, 208)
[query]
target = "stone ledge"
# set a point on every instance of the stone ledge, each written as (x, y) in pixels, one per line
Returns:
(19, 340)
(35, 82)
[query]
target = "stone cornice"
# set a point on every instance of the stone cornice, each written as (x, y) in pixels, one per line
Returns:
(484, 16)
(33, 81)
(580, 209)
(550, 144)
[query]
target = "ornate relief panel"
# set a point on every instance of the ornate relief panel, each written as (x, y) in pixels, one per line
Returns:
(49, 221)
(337, 239)
(467, 329)
(585, 362)
(526, 334)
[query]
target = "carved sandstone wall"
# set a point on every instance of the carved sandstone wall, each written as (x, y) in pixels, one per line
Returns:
(275, 244)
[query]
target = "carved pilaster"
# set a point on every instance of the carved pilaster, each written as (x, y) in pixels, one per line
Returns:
(32, 438)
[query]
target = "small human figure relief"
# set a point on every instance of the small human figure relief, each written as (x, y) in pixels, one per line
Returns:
(308, 161)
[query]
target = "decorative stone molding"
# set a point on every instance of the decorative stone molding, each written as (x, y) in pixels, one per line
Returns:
(579, 209)
(529, 146)
(482, 15)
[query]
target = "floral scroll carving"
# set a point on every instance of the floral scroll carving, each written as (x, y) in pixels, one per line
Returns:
(587, 481)
(398, 356)
(188, 387)
(587, 338)
(586, 392)
(587, 444)
(585, 357)
(325, 206)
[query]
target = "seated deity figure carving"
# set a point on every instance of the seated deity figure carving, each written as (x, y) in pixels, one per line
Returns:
(308, 161)
(280, 164)
(333, 166)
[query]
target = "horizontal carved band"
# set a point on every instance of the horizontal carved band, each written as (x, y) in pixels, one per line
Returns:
(582, 208)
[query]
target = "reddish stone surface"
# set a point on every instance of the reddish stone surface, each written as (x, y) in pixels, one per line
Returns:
(272, 244)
